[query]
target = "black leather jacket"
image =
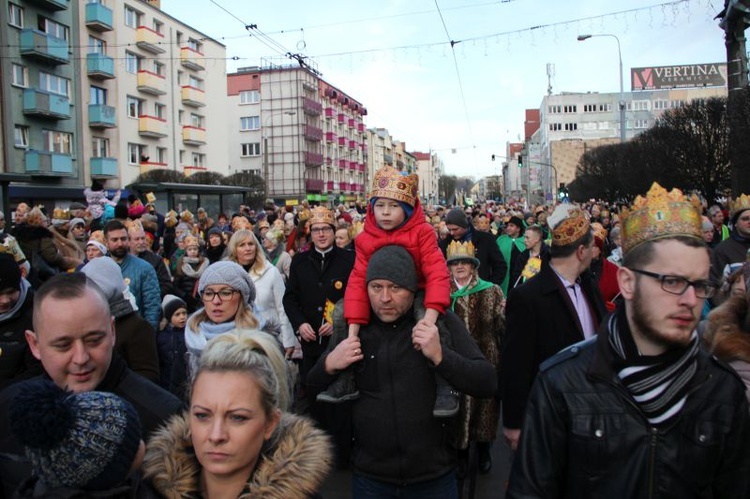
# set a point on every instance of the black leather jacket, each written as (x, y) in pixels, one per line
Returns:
(584, 436)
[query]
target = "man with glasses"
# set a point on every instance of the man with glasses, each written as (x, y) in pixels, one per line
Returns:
(640, 410)
(729, 255)
(317, 280)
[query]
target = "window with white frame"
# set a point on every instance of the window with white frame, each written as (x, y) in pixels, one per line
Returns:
(54, 84)
(159, 68)
(97, 95)
(661, 104)
(250, 149)
(194, 44)
(570, 127)
(249, 97)
(554, 127)
(134, 107)
(158, 26)
(196, 120)
(20, 75)
(135, 153)
(100, 147)
(640, 124)
(15, 15)
(132, 62)
(21, 136)
(249, 123)
(570, 108)
(53, 28)
(161, 154)
(199, 159)
(132, 17)
(160, 111)
(97, 45)
(59, 142)
(195, 82)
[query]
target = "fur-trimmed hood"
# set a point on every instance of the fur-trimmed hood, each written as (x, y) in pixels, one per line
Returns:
(728, 332)
(295, 468)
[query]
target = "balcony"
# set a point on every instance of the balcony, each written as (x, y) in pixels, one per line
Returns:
(39, 45)
(361, 127)
(103, 167)
(352, 144)
(310, 107)
(314, 184)
(351, 123)
(342, 163)
(312, 133)
(193, 135)
(149, 40)
(332, 186)
(388, 159)
(344, 186)
(192, 96)
(98, 17)
(361, 167)
(313, 159)
(330, 137)
(151, 126)
(329, 160)
(191, 169)
(100, 66)
(101, 116)
(45, 105)
(151, 83)
(342, 141)
(353, 165)
(400, 164)
(192, 59)
(341, 118)
(329, 112)
(53, 5)
(48, 163)
(149, 166)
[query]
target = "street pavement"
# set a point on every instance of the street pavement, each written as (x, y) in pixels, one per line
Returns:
(489, 486)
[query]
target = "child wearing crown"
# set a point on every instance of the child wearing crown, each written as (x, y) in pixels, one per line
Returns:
(395, 216)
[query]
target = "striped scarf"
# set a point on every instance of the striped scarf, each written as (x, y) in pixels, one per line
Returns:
(658, 384)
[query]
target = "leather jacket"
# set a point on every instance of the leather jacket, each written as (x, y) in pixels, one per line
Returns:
(584, 435)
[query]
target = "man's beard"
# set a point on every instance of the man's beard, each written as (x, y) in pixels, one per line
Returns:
(119, 252)
(642, 322)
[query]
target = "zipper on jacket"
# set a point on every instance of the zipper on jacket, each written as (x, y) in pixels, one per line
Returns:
(652, 461)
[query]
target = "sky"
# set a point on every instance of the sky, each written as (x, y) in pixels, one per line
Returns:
(466, 102)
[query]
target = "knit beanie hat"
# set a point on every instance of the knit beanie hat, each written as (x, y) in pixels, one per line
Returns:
(83, 440)
(10, 274)
(230, 274)
(171, 304)
(395, 264)
(107, 275)
(457, 217)
(76, 221)
(408, 209)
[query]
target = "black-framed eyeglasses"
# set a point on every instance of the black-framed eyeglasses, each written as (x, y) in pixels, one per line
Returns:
(677, 285)
(223, 294)
(321, 230)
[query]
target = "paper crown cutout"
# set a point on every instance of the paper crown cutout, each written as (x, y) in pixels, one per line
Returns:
(186, 216)
(321, 215)
(660, 215)
(742, 203)
(170, 219)
(461, 251)
(191, 241)
(390, 183)
(599, 231)
(569, 224)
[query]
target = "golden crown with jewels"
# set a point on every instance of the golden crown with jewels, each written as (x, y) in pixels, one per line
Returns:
(322, 215)
(461, 251)
(392, 184)
(660, 215)
(738, 205)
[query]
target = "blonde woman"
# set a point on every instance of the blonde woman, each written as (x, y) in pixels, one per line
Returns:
(236, 438)
(245, 250)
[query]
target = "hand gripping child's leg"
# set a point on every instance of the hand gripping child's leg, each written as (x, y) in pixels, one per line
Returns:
(343, 387)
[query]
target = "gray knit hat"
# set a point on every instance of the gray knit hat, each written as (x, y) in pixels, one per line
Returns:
(457, 217)
(171, 304)
(230, 274)
(83, 440)
(395, 264)
(107, 275)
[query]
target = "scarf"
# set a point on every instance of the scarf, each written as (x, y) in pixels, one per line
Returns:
(196, 340)
(25, 286)
(188, 268)
(469, 290)
(658, 383)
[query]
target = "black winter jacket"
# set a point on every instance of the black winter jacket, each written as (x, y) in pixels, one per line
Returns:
(584, 436)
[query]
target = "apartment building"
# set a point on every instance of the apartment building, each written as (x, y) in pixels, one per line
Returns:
(304, 136)
(429, 168)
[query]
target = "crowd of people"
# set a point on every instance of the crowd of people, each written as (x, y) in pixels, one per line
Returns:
(247, 354)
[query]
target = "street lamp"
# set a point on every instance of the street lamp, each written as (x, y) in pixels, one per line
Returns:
(265, 146)
(622, 96)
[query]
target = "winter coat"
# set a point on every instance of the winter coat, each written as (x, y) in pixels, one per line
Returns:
(144, 285)
(16, 359)
(269, 299)
(585, 436)
(170, 343)
(396, 437)
(31, 488)
(294, 468)
(418, 237)
(605, 273)
(37, 243)
(135, 341)
(732, 251)
(162, 272)
(97, 200)
(186, 286)
(727, 336)
(519, 263)
(510, 248)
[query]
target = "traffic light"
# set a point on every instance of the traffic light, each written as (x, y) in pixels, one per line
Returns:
(520, 161)
(562, 192)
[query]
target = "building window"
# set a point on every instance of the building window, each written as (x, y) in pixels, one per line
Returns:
(196, 120)
(195, 82)
(554, 109)
(132, 62)
(97, 45)
(249, 97)
(661, 104)
(15, 15)
(570, 127)
(159, 68)
(132, 17)
(641, 124)
(181, 117)
(97, 95)
(161, 155)
(136, 152)
(135, 107)
(194, 44)
(53, 28)
(249, 123)
(20, 75)
(59, 142)
(21, 136)
(158, 26)
(199, 159)
(160, 111)
(100, 147)
(554, 127)
(570, 109)
(250, 149)
(54, 84)
(638, 105)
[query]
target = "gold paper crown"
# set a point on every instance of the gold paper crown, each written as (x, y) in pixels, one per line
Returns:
(321, 215)
(599, 231)
(659, 215)
(481, 223)
(170, 219)
(461, 251)
(357, 228)
(740, 204)
(191, 241)
(573, 227)
(186, 216)
(60, 214)
(390, 183)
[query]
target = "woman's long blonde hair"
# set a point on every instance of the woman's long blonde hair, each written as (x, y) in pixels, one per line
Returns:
(260, 257)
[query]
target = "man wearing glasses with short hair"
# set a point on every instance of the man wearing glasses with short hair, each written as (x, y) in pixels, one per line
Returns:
(729, 254)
